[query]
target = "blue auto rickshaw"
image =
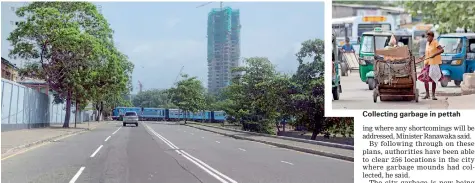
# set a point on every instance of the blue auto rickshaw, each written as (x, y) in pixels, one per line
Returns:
(458, 57)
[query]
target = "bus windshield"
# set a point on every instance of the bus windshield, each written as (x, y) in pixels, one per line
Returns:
(367, 44)
(370, 27)
(451, 45)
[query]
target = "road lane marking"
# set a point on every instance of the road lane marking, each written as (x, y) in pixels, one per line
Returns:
(184, 131)
(161, 138)
(287, 162)
(107, 138)
(77, 175)
(242, 149)
(203, 168)
(192, 134)
(218, 142)
(202, 137)
(208, 169)
(95, 152)
(116, 131)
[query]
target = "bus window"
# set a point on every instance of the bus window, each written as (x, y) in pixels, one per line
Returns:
(340, 30)
(362, 28)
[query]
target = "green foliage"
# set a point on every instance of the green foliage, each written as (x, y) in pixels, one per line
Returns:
(371, 3)
(69, 44)
(449, 15)
(188, 94)
(152, 98)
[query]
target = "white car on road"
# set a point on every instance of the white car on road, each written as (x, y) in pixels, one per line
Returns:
(130, 118)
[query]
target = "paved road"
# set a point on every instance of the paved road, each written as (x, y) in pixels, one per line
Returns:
(164, 152)
(356, 95)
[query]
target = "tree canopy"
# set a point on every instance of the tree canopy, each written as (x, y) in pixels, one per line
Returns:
(188, 94)
(448, 15)
(153, 98)
(70, 46)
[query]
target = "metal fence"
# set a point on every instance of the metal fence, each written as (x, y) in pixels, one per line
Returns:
(24, 108)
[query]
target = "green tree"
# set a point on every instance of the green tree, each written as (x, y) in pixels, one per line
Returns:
(371, 3)
(188, 95)
(69, 44)
(252, 95)
(63, 37)
(110, 80)
(308, 92)
(449, 15)
(152, 98)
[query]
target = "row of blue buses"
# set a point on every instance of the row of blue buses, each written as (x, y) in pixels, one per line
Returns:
(162, 114)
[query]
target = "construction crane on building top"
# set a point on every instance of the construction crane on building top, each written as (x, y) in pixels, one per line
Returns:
(179, 74)
(140, 86)
(220, 4)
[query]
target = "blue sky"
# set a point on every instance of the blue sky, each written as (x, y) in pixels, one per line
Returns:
(161, 37)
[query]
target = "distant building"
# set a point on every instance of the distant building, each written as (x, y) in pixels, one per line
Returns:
(400, 16)
(224, 40)
(9, 70)
(37, 84)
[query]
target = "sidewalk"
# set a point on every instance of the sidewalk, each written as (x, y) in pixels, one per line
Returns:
(13, 141)
(462, 102)
(339, 153)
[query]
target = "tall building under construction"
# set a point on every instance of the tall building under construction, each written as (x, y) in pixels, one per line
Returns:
(223, 46)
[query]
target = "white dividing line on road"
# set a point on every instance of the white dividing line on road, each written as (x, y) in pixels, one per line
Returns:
(95, 152)
(77, 175)
(199, 165)
(173, 146)
(208, 169)
(218, 142)
(287, 162)
(116, 131)
(202, 137)
(107, 138)
(192, 134)
(242, 149)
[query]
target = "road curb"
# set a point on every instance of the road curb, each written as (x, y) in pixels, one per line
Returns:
(321, 153)
(14, 149)
(321, 143)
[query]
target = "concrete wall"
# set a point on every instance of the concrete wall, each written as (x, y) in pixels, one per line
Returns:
(24, 108)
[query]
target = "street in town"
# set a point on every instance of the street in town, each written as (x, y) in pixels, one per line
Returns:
(166, 152)
(356, 95)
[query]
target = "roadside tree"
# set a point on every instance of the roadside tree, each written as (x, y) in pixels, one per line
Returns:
(449, 15)
(188, 95)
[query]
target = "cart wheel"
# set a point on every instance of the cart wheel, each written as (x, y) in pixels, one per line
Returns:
(417, 95)
(444, 82)
(375, 96)
(371, 83)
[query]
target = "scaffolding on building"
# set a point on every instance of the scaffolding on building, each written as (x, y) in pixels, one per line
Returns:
(223, 46)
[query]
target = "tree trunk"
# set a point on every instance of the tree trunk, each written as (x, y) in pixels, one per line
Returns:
(283, 125)
(68, 111)
(316, 129)
(99, 110)
(76, 115)
(186, 117)
(278, 128)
